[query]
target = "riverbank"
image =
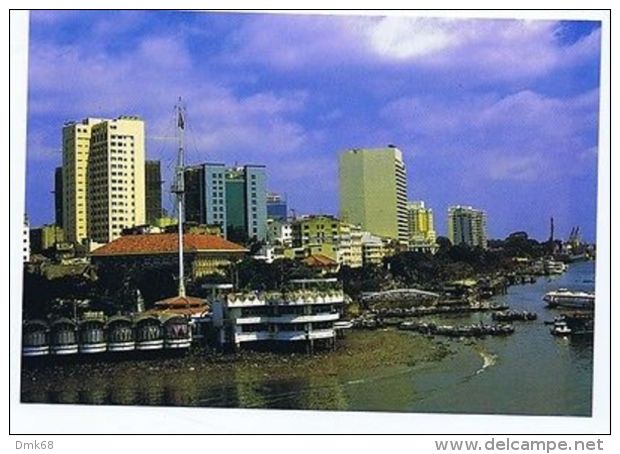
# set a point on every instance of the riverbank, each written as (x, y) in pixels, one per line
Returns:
(191, 379)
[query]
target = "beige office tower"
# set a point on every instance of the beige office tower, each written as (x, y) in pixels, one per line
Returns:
(75, 152)
(116, 187)
(373, 191)
(103, 178)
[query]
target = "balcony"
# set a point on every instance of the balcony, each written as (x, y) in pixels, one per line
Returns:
(300, 298)
(300, 335)
(289, 318)
(253, 337)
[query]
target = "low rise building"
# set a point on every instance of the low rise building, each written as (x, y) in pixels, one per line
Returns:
(328, 236)
(373, 250)
(279, 233)
(203, 254)
(269, 253)
(26, 240)
(45, 237)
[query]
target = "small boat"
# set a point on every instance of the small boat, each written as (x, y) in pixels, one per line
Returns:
(555, 267)
(510, 316)
(35, 338)
(120, 332)
(64, 337)
(561, 329)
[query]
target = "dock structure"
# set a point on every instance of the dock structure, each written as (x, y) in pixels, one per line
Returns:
(117, 334)
(411, 296)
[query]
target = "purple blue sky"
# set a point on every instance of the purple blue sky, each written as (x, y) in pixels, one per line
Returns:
(498, 114)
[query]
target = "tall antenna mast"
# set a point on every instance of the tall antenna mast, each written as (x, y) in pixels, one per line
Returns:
(178, 187)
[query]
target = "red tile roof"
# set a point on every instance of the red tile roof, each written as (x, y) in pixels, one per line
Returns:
(180, 305)
(165, 243)
(181, 301)
(320, 260)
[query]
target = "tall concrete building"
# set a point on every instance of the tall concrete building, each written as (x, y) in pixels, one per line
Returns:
(102, 178)
(75, 154)
(233, 198)
(422, 235)
(373, 191)
(467, 225)
(58, 196)
(205, 195)
(152, 181)
(116, 184)
(246, 200)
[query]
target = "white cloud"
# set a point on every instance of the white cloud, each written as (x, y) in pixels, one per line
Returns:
(483, 50)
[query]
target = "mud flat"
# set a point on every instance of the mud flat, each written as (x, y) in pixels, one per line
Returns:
(186, 380)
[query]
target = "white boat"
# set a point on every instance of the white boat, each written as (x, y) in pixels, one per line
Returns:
(560, 329)
(565, 298)
(555, 267)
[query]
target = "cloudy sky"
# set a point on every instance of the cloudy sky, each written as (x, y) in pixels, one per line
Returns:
(498, 114)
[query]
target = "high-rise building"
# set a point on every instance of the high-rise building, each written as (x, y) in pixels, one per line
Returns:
(116, 187)
(152, 178)
(58, 196)
(205, 195)
(467, 225)
(75, 154)
(102, 178)
(246, 200)
(276, 207)
(373, 191)
(234, 198)
(422, 235)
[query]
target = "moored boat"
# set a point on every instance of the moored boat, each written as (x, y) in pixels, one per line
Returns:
(566, 298)
(560, 328)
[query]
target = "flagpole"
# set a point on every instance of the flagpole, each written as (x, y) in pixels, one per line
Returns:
(180, 190)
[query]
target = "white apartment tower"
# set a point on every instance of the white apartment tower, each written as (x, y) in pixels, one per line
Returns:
(467, 225)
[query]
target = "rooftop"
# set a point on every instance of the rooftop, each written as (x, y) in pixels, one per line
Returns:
(165, 243)
(320, 260)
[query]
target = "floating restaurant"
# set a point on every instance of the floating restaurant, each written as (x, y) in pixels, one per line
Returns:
(306, 312)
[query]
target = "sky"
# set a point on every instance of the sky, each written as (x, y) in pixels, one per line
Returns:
(498, 114)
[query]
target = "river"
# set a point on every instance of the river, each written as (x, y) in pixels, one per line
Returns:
(530, 372)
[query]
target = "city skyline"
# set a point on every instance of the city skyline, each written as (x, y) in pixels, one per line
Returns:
(498, 114)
